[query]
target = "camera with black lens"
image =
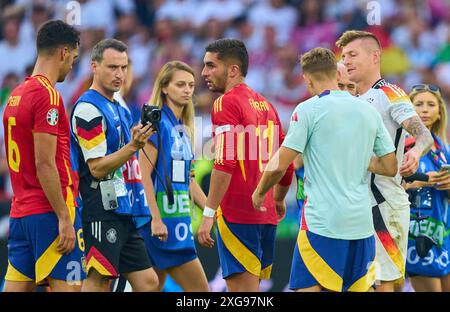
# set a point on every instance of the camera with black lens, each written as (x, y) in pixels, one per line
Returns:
(151, 114)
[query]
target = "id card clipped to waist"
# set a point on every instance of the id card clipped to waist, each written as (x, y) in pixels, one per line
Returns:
(111, 189)
(109, 197)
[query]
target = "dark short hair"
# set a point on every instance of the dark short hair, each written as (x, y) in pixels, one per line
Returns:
(54, 34)
(101, 46)
(319, 62)
(230, 49)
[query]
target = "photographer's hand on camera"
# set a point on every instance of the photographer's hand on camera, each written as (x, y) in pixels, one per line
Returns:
(140, 135)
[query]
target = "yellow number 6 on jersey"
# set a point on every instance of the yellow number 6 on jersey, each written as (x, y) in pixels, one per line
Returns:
(13, 148)
(80, 239)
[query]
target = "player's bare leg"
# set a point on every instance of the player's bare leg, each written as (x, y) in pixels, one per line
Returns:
(398, 285)
(162, 276)
(95, 282)
(445, 283)
(63, 286)
(242, 282)
(12, 286)
(190, 276)
(426, 284)
(143, 281)
(385, 286)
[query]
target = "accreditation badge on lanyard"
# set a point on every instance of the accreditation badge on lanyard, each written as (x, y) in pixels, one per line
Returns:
(178, 171)
(180, 152)
(119, 183)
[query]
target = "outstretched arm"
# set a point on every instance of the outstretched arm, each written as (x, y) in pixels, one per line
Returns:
(275, 170)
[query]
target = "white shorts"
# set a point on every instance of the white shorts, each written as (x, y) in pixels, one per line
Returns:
(391, 228)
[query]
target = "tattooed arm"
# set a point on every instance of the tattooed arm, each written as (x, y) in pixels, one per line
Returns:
(424, 141)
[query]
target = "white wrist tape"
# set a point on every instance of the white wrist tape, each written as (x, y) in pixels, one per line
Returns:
(208, 212)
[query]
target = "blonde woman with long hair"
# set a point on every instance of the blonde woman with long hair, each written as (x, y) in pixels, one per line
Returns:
(169, 238)
(428, 246)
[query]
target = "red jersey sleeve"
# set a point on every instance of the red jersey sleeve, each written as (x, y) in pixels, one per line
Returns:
(286, 180)
(46, 110)
(225, 117)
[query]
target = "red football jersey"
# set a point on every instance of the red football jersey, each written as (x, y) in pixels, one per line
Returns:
(247, 132)
(35, 106)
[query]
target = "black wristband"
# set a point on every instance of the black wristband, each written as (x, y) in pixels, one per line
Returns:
(418, 176)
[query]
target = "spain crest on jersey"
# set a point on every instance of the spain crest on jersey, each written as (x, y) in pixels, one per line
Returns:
(52, 116)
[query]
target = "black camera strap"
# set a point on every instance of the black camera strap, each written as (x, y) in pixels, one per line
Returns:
(169, 188)
(167, 185)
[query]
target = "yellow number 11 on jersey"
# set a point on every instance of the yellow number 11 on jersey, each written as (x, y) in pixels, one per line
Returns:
(266, 134)
(13, 148)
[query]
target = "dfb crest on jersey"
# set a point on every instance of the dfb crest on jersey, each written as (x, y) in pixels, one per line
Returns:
(111, 235)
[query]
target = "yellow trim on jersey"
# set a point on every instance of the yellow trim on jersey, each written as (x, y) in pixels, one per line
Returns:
(219, 149)
(13, 275)
(318, 268)
(68, 173)
(70, 203)
(240, 154)
(54, 95)
(395, 94)
(50, 91)
(265, 273)
(365, 282)
(94, 263)
(245, 257)
(222, 146)
(218, 104)
(90, 144)
(216, 150)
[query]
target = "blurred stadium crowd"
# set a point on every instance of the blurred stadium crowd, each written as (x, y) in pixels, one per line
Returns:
(415, 35)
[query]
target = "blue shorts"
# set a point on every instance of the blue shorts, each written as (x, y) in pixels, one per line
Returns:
(165, 258)
(245, 248)
(32, 254)
(334, 264)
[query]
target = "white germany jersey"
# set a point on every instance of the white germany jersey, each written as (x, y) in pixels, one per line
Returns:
(395, 107)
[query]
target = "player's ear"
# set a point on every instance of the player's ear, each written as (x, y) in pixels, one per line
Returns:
(94, 66)
(234, 71)
(377, 56)
(308, 80)
(64, 53)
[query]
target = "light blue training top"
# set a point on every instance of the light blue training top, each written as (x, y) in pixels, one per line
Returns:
(337, 135)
